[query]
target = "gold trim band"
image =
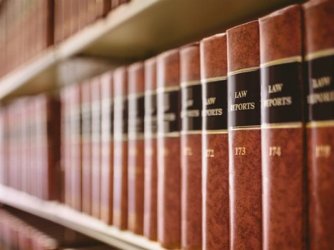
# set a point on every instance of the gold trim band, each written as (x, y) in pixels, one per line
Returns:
(215, 132)
(283, 125)
(190, 83)
(172, 134)
(283, 61)
(254, 127)
(168, 89)
(319, 54)
(319, 124)
(239, 71)
(195, 132)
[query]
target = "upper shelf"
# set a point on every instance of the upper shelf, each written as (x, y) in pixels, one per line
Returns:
(134, 31)
(77, 221)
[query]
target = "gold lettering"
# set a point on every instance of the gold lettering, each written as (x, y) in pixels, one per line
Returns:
(210, 153)
(321, 82)
(240, 94)
(275, 151)
(279, 101)
(323, 151)
(321, 97)
(243, 106)
(211, 100)
(240, 151)
(275, 88)
(214, 112)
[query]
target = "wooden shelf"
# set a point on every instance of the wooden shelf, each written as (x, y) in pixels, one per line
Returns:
(137, 30)
(60, 214)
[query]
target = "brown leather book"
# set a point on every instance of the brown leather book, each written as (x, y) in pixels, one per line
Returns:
(120, 195)
(191, 147)
(107, 149)
(86, 118)
(244, 120)
(169, 162)
(282, 129)
(136, 88)
(95, 88)
(319, 43)
(215, 188)
(150, 155)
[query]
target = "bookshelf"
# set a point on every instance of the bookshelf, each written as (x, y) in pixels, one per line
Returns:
(79, 222)
(134, 31)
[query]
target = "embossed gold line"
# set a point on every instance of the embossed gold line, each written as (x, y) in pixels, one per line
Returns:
(136, 95)
(190, 83)
(239, 71)
(173, 134)
(215, 132)
(214, 79)
(283, 61)
(168, 89)
(283, 125)
(319, 54)
(254, 127)
(195, 132)
(317, 124)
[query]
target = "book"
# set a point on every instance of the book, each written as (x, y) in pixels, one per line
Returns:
(215, 186)
(319, 55)
(86, 147)
(136, 106)
(107, 149)
(191, 147)
(169, 162)
(282, 129)
(95, 88)
(244, 136)
(150, 152)
(120, 189)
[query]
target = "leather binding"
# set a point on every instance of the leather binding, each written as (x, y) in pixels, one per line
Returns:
(244, 136)
(169, 162)
(191, 147)
(215, 190)
(120, 196)
(283, 168)
(319, 43)
(76, 147)
(95, 87)
(86, 119)
(150, 155)
(107, 149)
(136, 88)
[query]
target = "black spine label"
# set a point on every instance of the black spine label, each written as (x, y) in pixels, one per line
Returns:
(191, 113)
(125, 117)
(215, 105)
(169, 111)
(150, 114)
(244, 99)
(281, 92)
(321, 89)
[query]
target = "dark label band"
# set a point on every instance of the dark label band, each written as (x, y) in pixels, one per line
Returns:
(136, 115)
(320, 98)
(150, 114)
(191, 113)
(244, 99)
(169, 111)
(125, 116)
(215, 105)
(281, 89)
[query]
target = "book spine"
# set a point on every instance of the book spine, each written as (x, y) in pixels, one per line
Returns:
(106, 148)
(282, 129)
(320, 124)
(120, 196)
(86, 119)
(169, 162)
(215, 173)
(136, 90)
(150, 155)
(95, 88)
(191, 147)
(244, 136)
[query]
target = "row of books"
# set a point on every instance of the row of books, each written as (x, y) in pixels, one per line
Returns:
(224, 143)
(27, 28)
(19, 232)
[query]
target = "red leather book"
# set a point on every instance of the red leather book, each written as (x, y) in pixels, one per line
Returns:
(86, 148)
(244, 136)
(107, 149)
(150, 156)
(215, 188)
(319, 43)
(282, 129)
(169, 161)
(191, 147)
(95, 88)
(136, 107)
(120, 195)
